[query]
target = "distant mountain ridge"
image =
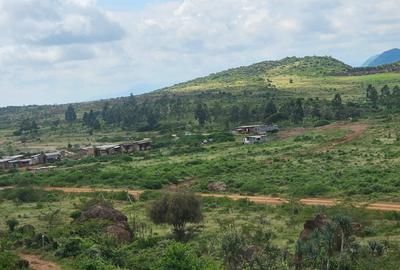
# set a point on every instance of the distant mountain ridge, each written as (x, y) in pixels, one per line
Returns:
(387, 57)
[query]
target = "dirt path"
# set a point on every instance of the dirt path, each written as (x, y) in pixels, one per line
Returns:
(356, 130)
(256, 199)
(36, 263)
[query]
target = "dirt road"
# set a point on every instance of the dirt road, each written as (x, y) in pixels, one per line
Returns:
(36, 263)
(356, 130)
(256, 199)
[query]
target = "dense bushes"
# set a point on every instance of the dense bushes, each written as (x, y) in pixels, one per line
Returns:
(30, 195)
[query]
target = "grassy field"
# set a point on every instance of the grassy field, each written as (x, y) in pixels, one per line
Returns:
(331, 161)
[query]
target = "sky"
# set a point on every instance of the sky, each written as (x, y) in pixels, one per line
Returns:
(63, 51)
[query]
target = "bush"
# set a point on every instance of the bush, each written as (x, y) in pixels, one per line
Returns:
(178, 256)
(176, 209)
(30, 195)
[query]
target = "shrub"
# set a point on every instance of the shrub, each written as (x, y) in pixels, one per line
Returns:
(176, 209)
(12, 224)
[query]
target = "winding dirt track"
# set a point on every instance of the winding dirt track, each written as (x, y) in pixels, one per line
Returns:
(356, 130)
(256, 199)
(36, 263)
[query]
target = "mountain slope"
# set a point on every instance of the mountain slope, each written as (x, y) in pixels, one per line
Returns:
(261, 73)
(387, 57)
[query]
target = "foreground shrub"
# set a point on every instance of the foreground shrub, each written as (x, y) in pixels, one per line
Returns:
(176, 209)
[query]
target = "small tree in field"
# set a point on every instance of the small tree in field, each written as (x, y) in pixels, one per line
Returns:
(176, 209)
(12, 223)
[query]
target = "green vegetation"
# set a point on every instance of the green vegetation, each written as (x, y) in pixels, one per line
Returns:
(232, 235)
(339, 138)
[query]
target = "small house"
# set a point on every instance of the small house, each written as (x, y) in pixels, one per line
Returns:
(39, 159)
(88, 151)
(20, 163)
(106, 150)
(254, 139)
(53, 157)
(136, 146)
(257, 129)
(5, 163)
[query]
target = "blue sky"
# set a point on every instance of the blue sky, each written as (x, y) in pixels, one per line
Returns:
(62, 51)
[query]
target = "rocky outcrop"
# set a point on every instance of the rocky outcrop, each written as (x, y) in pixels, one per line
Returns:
(119, 227)
(217, 187)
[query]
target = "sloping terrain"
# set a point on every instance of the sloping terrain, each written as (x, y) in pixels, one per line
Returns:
(387, 57)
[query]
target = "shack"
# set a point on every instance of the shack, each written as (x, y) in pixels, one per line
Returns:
(53, 157)
(135, 146)
(106, 150)
(254, 139)
(256, 129)
(20, 163)
(88, 151)
(5, 163)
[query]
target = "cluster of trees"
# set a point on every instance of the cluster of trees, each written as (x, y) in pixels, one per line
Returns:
(386, 97)
(224, 109)
(27, 126)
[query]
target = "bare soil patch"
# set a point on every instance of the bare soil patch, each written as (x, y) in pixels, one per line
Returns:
(37, 263)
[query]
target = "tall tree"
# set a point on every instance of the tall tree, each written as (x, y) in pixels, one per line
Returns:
(338, 107)
(70, 115)
(201, 113)
(385, 97)
(372, 96)
(270, 108)
(298, 111)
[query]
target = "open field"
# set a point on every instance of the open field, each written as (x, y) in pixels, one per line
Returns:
(351, 160)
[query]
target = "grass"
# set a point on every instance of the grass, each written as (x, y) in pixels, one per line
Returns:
(304, 165)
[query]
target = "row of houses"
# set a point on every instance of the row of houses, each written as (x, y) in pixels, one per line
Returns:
(114, 149)
(22, 161)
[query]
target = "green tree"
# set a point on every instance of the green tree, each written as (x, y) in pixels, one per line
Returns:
(270, 109)
(233, 247)
(338, 107)
(372, 96)
(343, 224)
(12, 223)
(176, 209)
(201, 113)
(385, 97)
(298, 111)
(70, 115)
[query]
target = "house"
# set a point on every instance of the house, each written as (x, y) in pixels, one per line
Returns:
(254, 139)
(9, 162)
(257, 129)
(88, 151)
(136, 146)
(105, 150)
(5, 163)
(39, 159)
(53, 157)
(20, 163)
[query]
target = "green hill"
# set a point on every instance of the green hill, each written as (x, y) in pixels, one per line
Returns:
(263, 72)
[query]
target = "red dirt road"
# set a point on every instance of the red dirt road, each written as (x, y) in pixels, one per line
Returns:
(256, 199)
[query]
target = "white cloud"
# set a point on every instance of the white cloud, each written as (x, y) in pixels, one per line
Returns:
(66, 50)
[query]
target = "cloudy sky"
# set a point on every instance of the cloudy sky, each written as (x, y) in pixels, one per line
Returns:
(60, 51)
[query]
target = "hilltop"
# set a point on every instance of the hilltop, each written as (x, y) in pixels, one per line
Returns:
(263, 72)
